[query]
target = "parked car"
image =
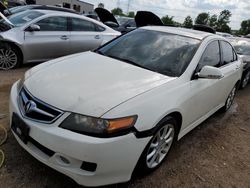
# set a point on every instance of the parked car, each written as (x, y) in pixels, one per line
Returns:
(99, 116)
(142, 18)
(40, 35)
(242, 47)
(18, 9)
(224, 34)
(126, 24)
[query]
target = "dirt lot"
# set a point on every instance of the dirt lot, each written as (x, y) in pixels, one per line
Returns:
(215, 154)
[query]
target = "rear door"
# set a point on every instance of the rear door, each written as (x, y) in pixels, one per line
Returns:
(84, 35)
(230, 68)
(50, 42)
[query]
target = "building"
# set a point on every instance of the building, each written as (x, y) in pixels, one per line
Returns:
(79, 6)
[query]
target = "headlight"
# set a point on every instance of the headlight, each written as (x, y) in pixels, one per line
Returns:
(97, 126)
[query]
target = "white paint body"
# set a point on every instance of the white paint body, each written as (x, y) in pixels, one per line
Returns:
(99, 86)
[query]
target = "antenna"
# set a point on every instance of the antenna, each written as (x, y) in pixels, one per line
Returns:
(118, 3)
(129, 2)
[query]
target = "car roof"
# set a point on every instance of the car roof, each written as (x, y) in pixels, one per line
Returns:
(181, 31)
(54, 12)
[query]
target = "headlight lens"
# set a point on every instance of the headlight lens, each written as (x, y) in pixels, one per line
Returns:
(97, 126)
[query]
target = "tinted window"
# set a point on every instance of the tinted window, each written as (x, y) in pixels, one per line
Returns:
(24, 17)
(53, 24)
(82, 25)
(161, 52)
(211, 56)
(132, 23)
(228, 52)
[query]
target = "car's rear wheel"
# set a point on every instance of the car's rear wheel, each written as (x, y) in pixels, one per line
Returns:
(230, 99)
(245, 79)
(158, 147)
(9, 57)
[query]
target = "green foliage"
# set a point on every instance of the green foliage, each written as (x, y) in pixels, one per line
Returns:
(202, 18)
(168, 20)
(223, 21)
(245, 27)
(213, 21)
(188, 22)
(117, 11)
(131, 14)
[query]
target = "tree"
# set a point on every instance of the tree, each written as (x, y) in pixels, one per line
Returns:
(100, 5)
(245, 27)
(223, 21)
(202, 18)
(131, 14)
(213, 21)
(117, 11)
(168, 20)
(188, 22)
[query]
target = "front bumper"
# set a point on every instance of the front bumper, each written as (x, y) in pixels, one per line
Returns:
(115, 157)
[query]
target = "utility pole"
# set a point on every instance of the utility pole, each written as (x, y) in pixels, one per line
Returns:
(129, 1)
(118, 3)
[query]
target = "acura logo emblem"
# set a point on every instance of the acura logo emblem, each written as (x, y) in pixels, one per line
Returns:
(29, 106)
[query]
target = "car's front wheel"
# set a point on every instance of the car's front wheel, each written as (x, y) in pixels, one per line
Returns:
(9, 57)
(159, 146)
(245, 79)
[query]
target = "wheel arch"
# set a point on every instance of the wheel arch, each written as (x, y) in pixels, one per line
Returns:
(177, 117)
(13, 44)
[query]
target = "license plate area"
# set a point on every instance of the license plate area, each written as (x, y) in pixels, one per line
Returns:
(20, 128)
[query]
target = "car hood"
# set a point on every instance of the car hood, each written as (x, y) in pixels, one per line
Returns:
(105, 15)
(145, 18)
(89, 83)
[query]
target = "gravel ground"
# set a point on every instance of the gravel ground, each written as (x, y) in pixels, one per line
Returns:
(215, 154)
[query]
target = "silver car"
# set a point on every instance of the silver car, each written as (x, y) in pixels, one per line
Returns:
(41, 35)
(242, 47)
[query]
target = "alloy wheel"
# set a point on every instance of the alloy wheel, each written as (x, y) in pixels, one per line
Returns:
(160, 145)
(8, 59)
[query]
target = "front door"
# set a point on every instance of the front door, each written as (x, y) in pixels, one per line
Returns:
(50, 42)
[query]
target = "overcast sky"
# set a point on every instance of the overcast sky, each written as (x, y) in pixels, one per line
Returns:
(181, 8)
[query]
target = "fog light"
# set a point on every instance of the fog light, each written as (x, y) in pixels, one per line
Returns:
(91, 167)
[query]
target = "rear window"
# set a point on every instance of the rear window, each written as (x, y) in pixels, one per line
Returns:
(161, 52)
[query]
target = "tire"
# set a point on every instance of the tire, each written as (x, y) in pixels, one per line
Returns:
(245, 79)
(158, 147)
(10, 57)
(230, 99)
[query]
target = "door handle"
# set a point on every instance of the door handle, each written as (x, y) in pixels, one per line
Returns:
(64, 37)
(97, 37)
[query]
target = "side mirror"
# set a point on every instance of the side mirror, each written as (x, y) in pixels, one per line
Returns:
(33, 27)
(208, 72)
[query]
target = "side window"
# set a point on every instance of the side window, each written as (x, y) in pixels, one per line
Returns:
(99, 28)
(211, 56)
(53, 24)
(228, 53)
(82, 25)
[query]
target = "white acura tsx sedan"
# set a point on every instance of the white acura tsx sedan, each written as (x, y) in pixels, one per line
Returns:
(99, 116)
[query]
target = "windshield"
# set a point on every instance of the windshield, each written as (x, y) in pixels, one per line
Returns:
(15, 10)
(24, 17)
(242, 47)
(161, 52)
(122, 20)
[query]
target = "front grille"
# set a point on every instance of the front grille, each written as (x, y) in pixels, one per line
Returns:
(34, 109)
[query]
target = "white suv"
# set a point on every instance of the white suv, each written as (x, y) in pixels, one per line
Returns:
(98, 116)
